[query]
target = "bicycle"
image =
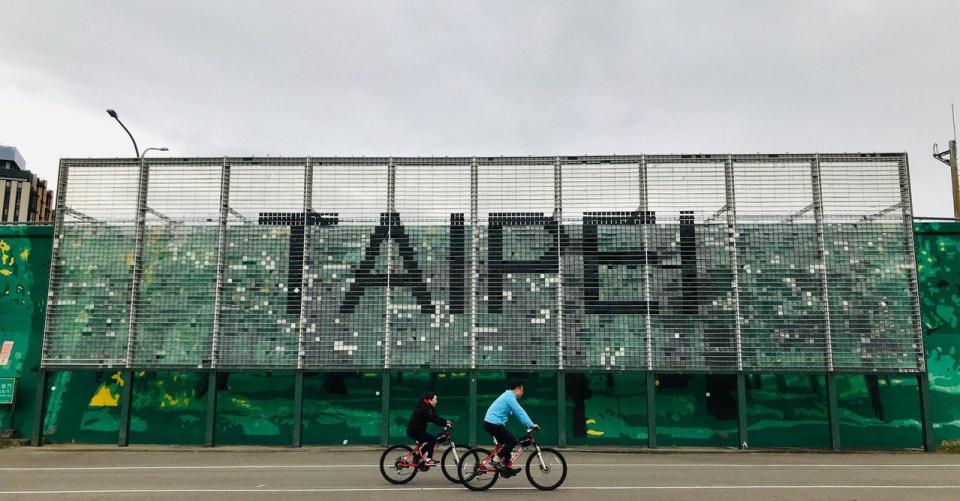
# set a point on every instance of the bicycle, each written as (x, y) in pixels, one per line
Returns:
(478, 470)
(400, 469)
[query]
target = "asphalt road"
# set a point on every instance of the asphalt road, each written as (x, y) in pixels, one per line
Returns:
(57, 472)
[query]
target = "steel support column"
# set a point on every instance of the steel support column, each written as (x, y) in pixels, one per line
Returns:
(926, 420)
(833, 412)
(385, 409)
(126, 401)
(210, 436)
(651, 410)
(561, 409)
(474, 418)
(298, 409)
(743, 421)
(36, 439)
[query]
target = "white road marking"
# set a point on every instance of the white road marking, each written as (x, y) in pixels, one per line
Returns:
(581, 465)
(409, 489)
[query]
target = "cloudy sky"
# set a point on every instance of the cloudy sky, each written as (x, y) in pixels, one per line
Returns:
(484, 78)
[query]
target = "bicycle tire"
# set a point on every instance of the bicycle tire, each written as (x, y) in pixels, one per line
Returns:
(533, 462)
(469, 479)
(449, 463)
(389, 461)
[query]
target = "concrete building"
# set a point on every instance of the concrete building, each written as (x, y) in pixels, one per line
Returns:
(24, 198)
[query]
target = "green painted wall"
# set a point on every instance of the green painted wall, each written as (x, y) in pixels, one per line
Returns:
(24, 273)
(787, 410)
(938, 274)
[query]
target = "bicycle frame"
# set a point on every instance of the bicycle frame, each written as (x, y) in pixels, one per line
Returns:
(521, 447)
(408, 461)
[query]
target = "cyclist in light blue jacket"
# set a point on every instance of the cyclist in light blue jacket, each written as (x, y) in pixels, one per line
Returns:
(497, 415)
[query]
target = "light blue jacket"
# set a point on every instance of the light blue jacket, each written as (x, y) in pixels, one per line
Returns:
(503, 407)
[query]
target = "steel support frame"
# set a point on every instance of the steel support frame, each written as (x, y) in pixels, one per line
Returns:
(731, 209)
(143, 181)
(817, 192)
(391, 207)
(51, 303)
(647, 276)
(474, 262)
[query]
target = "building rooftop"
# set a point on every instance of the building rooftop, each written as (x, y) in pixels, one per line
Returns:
(11, 154)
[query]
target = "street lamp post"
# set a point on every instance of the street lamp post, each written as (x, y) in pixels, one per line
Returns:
(113, 114)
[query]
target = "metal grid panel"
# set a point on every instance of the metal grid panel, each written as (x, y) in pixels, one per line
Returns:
(518, 258)
(604, 258)
(781, 308)
(428, 320)
(260, 317)
(175, 303)
(346, 271)
(666, 262)
(91, 275)
(870, 272)
(693, 326)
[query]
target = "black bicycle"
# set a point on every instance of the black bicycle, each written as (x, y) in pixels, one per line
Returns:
(546, 468)
(400, 463)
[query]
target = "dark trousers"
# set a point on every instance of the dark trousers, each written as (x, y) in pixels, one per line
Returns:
(503, 436)
(428, 441)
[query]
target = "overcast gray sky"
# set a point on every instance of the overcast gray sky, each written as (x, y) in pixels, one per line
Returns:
(484, 78)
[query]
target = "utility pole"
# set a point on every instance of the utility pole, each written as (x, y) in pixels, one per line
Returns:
(949, 157)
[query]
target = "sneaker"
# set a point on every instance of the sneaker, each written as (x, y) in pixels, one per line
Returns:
(429, 462)
(507, 471)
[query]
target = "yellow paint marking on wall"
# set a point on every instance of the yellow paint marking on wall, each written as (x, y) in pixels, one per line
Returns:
(25, 254)
(241, 402)
(4, 246)
(591, 421)
(594, 433)
(6, 273)
(103, 398)
(118, 378)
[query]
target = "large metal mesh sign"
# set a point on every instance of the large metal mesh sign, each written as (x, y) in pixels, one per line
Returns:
(693, 263)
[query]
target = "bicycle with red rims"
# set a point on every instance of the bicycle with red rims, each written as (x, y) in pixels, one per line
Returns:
(400, 463)
(546, 468)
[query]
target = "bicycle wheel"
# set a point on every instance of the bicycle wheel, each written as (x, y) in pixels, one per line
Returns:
(475, 471)
(548, 474)
(450, 462)
(394, 465)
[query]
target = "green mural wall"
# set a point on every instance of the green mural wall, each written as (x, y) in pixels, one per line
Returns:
(601, 408)
(24, 273)
(938, 274)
